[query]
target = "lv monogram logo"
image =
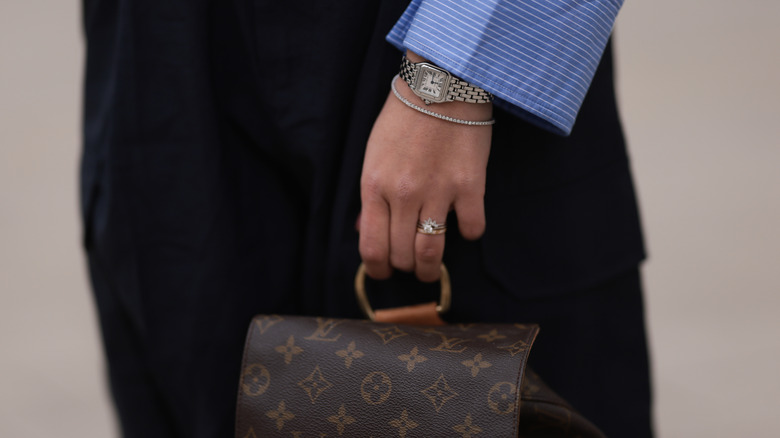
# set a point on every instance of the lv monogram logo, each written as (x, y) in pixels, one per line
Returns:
(439, 393)
(403, 424)
(412, 359)
(467, 429)
(281, 415)
(267, 321)
(350, 354)
(315, 384)
(492, 336)
(376, 388)
(389, 333)
(501, 398)
(517, 347)
(449, 345)
(324, 329)
(476, 364)
(255, 379)
(341, 420)
(289, 350)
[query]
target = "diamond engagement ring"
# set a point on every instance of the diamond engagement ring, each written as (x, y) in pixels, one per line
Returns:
(431, 227)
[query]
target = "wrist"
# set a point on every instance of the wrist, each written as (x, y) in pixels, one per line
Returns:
(434, 84)
(455, 109)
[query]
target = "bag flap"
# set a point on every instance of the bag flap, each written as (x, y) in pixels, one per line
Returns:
(311, 377)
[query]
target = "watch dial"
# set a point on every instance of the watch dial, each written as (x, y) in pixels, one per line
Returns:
(431, 82)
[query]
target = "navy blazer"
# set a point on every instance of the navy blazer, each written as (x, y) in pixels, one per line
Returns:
(220, 179)
(222, 149)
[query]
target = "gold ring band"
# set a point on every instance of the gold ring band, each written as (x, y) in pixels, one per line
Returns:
(431, 227)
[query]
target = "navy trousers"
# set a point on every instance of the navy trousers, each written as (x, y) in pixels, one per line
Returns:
(223, 144)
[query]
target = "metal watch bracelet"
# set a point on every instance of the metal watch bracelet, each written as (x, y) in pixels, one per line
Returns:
(437, 115)
(455, 89)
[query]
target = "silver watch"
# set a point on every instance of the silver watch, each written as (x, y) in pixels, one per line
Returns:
(435, 85)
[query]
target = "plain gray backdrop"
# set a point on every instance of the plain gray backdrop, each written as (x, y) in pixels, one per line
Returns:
(698, 89)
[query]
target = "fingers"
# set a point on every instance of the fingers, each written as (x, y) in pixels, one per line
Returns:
(414, 167)
(470, 209)
(390, 241)
(403, 226)
(429, 248)
(374, 241)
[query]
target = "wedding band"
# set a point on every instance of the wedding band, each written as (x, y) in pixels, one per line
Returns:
(431, 227)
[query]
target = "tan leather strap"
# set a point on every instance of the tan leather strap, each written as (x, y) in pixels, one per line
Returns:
(418, 314)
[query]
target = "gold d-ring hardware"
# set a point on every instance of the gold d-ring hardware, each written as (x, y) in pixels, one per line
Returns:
(360, 290)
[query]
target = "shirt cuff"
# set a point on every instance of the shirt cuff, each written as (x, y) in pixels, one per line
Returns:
(537, 57)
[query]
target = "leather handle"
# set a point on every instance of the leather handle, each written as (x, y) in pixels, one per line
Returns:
(419, 314)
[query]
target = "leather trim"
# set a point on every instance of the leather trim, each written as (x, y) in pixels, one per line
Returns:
(419, 314)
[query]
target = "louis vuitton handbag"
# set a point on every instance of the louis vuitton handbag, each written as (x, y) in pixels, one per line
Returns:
(410, 375)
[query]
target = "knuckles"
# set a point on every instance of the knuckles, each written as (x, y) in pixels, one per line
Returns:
(370, 185)
(398, 189)
(463, 182)
(375, 259)
(404, 190)
(428, 254)
(468, 184)
(373, 255)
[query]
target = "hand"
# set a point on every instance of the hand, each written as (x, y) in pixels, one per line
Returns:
(417, 166)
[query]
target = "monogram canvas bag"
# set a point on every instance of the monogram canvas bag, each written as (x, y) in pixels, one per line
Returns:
(411, 376)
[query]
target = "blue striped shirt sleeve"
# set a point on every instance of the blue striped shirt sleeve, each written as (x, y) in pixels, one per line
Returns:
(537, 57)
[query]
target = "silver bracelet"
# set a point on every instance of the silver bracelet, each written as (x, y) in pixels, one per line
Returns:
(437, 115)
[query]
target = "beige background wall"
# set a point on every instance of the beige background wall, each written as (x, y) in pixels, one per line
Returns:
(699, 90)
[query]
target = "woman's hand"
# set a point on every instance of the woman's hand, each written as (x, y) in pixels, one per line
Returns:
(417, 166)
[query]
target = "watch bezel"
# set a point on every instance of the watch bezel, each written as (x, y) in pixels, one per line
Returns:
(418, 80)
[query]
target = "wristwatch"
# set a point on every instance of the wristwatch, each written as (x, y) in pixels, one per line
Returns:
(436, 85)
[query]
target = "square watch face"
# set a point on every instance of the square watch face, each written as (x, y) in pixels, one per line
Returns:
(432, 82)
